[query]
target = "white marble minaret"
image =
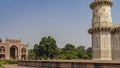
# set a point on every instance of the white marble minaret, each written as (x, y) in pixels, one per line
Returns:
(101, 29)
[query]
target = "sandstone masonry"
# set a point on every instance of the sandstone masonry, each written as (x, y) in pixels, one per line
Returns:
(13, 49)
(105, 35)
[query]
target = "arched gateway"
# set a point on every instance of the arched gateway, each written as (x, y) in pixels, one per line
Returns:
(13, 52)
(13, 49)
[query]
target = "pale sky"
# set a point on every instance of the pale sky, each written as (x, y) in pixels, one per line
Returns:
(67, 21)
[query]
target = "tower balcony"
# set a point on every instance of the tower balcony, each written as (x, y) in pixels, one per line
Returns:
(98, 29)
(101, 2)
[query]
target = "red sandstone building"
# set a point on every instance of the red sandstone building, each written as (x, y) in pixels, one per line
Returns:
(13, 49)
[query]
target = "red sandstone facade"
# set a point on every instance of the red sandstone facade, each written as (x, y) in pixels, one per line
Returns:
(13, 49)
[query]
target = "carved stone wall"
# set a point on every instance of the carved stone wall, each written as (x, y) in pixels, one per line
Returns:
(105, 35)
(101, 29)
(101, 38)
(116, 45)
(102, 16)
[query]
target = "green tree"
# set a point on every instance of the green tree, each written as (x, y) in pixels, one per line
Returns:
(80, 48)
(36, 49)
(31, 54)
(68, 52)
(69, 47)
(81, 52)
(47, 47)
(89, 52)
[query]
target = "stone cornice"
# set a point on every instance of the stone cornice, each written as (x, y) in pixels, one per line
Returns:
(97, 3)
(104, 29)
(98, 29)
(116, 30)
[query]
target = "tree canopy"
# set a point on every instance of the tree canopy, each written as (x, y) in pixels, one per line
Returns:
(48, 49)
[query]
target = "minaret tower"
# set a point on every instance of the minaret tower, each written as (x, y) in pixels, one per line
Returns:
(101, 29)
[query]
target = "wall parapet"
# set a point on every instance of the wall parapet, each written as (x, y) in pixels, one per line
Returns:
(71, 63)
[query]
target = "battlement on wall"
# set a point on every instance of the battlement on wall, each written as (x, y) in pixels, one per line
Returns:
(13, 40)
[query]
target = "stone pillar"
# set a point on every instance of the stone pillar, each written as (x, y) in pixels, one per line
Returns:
(101, 29)
(7, 51)
(27, 53)
(19, 52)
(16, 53)
(105, 42)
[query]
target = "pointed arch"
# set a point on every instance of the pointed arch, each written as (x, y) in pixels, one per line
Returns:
(23, 50)
(13, 52)
(2, 49)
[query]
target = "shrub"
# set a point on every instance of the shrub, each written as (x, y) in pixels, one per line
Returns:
(3, 61)
(8, 61)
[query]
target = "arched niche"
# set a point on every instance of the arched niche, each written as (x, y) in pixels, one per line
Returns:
(2, 52)
(23, 50)
(13, 52)
(2, 49)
